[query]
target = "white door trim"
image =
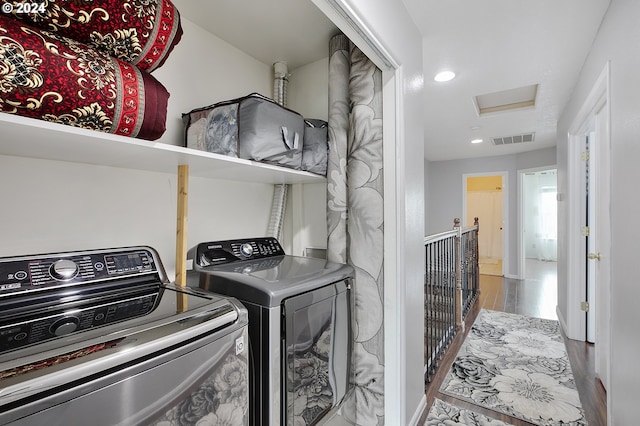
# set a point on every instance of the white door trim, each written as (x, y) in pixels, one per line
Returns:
(397, 380)
(505, 213)
(594, 111)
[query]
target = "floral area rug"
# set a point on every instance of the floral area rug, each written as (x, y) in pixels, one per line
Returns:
(518, 366)
(443, 414)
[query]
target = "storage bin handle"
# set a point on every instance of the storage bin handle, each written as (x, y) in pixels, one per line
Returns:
(285, 138)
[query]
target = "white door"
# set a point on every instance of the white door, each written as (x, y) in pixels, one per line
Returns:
(600, 241)
(595, 214)
(588, 277)
(484, 200)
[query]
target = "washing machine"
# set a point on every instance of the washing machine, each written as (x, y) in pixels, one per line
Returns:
(300, 333)
(101, 337)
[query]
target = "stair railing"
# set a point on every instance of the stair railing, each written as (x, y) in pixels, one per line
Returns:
(469, 268)
(451, 286)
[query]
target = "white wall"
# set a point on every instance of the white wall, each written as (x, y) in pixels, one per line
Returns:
(309, 89)
(51, 206)
(309, 95)
(445, 189)
(618, 41)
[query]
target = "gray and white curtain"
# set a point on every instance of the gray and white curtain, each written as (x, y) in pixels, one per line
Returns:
(355, 214)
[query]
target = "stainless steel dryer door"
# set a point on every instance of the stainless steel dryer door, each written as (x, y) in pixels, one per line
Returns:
(317, 350)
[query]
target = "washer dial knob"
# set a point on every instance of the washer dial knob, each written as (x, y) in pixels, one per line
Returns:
(246, 249)
(64, 326)
(63, 269)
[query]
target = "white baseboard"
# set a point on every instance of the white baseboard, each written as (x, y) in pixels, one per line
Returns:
(419, 411)
(561, 320)
(513, 277)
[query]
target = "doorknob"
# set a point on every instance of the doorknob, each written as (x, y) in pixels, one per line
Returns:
(593, 256)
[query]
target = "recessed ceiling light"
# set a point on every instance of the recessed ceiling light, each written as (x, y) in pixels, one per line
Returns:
(477, 141)
(444, 76)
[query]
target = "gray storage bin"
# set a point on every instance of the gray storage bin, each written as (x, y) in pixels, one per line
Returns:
(252, 127)
(315, 150)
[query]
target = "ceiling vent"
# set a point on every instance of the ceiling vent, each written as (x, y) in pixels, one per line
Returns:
(510, 140)
(506, 100)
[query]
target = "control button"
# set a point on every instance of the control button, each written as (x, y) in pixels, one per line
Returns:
(246, 249)
(20, 336)
(63, 269)
(99, 266)
(99, 317)
(64, 326)
(20, 275)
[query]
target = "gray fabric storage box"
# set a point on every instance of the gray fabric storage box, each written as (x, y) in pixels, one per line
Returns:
(315, 150)
(252, 127)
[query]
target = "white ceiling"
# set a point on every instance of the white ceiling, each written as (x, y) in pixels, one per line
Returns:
(495, 45)
(492, 45)
(292, 31)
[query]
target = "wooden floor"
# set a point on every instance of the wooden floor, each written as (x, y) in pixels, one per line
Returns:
(535, 296)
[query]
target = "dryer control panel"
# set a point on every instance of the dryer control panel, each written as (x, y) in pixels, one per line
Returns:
(222, 252)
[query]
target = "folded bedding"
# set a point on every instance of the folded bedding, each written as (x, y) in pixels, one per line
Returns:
(141, 32)
(46, 76)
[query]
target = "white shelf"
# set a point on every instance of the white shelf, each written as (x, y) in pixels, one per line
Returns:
(27, 137)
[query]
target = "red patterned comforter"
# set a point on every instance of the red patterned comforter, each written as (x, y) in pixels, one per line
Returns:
(44, 75)
(141, 32)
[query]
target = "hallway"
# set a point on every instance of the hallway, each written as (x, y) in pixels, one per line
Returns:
(534, 296)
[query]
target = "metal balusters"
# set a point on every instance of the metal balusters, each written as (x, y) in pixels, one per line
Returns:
(439, 300)
(470, 267)
(451, 287)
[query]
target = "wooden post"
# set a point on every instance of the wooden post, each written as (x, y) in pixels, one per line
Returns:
(476, 259)
(459, 321)
(181, 235)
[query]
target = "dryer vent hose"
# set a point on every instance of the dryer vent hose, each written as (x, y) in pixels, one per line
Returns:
(277, 211)
(280, 82)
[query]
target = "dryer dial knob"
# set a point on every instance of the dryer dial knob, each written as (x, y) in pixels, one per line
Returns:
(63, 269)
(246, 249)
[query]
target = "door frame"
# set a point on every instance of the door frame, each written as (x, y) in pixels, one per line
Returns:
(400, 387)
(521, 272)
(595, 112)
(505, 212)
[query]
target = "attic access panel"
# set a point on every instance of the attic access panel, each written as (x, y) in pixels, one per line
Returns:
(506, 100)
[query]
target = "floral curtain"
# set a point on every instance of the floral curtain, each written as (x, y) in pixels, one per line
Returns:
(355, 214)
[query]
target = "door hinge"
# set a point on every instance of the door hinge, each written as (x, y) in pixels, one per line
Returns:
(585, 156)
(585, 231)
(584, 306)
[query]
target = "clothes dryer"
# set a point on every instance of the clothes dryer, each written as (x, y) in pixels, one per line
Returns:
(299, 325)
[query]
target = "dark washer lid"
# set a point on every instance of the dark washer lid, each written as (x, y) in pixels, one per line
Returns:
(182, 315)
(268, 281)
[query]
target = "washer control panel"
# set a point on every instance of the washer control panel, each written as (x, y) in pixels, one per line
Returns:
(28, 273)
(40, 329)
(221, 252)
